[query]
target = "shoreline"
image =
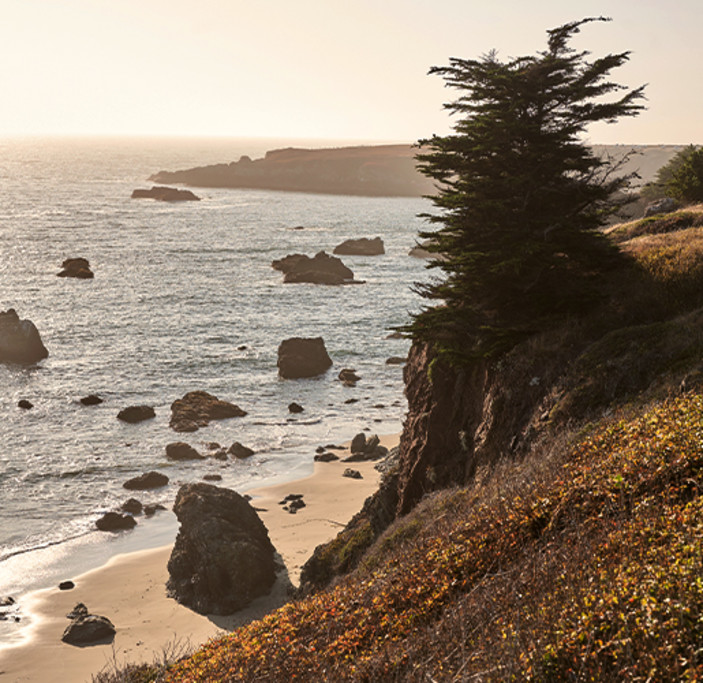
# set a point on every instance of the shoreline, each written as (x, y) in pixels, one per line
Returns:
(130, 588)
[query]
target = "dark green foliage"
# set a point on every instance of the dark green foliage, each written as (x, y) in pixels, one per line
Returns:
(521, 197)
(686, 181)
(682, 173)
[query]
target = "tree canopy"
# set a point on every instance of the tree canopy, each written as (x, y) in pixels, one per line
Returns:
(520, 195)
(680, 178)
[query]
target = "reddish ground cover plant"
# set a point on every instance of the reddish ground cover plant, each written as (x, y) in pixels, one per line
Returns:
(590, 571)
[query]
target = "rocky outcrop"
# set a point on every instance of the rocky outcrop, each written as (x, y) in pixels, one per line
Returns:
(146, 481)
(322, 269)
(165, 194)
(302, 357)
(134, 414)
(19, 340)
(197, 408)
(76, 267)
(361, 247)
(222, 558)
(365, 170)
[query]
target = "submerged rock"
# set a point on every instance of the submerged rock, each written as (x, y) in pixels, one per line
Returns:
(302, 357)
(25, 404)
(91, 400)
(19, 340)
(197, 408)
(166, 194)
(222, 558)
(361, 247)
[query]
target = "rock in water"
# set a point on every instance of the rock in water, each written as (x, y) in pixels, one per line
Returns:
(146, 481)
(134, 414)
(182, 451)
(361, 247)
(240, 451)
(114, 521)
(19, 340)
(197, 408)
(166, 194)
(322, 269)
(76, 267)
(222, 558)
(299, 357)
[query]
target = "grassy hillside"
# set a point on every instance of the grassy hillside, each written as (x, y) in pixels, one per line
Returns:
(579, 560)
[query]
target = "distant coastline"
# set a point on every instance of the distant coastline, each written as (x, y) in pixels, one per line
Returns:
(367, 170)
(379, 170)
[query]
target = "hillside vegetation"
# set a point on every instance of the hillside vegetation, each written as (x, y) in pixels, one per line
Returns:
(574, 557)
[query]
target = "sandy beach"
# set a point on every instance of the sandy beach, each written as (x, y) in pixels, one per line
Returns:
(130, 589)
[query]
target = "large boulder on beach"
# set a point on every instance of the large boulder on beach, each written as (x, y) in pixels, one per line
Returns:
(360, 247)
(166, 194)
(222, 558)
(88, 629)
(322, 269)
(302, 357)
(19, 340)
(197, 408)
(76, 267)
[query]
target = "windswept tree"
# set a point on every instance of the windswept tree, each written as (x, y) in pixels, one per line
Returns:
(521, 197)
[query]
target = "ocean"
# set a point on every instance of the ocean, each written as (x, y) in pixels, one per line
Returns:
(184, 298)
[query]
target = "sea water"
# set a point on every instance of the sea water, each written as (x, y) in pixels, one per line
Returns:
(184, 298)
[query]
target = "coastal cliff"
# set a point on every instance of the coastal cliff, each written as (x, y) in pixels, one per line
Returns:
(382, 170)
(543, 520)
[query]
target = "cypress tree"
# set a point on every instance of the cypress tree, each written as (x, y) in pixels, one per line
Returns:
(521, 197)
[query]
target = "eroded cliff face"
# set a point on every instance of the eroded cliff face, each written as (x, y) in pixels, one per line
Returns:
(457, 420)
(461, 419)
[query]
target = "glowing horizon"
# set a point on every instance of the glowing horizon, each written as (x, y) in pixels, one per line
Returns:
(312, 70)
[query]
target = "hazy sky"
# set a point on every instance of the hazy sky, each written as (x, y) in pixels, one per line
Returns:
(337, 69)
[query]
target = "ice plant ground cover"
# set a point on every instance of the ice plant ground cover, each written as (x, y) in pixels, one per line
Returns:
(587, 569)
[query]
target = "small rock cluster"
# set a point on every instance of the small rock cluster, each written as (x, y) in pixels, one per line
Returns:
(86, 628)
(366, 449)
(293, 502)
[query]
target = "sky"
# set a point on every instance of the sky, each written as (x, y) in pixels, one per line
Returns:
(323, 69)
